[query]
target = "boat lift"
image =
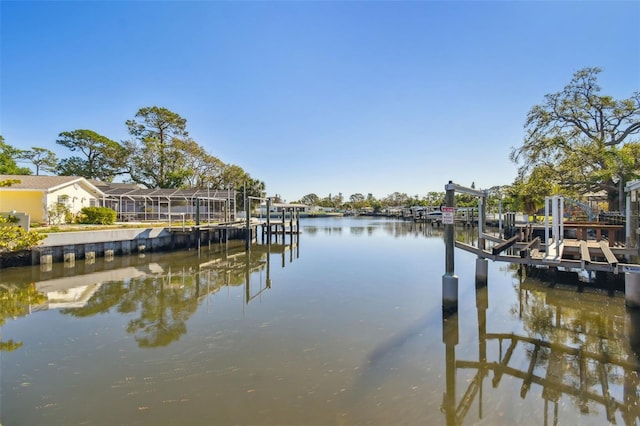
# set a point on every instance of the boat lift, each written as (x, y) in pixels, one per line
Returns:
(554, 232)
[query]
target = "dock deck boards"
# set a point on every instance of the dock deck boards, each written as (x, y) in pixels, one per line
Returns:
(585, 256)
(555, 251)
(608, 254)
(570, 254)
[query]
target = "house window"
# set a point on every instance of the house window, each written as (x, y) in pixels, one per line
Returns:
(63, 199)
(93, 202)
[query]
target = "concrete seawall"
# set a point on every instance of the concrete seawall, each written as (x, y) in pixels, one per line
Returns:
(69, 246)
(72, 246)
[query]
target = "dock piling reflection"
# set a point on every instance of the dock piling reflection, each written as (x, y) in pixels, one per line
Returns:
(575, 351)
(450, 338)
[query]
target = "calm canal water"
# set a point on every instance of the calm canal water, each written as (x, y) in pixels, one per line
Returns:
(343, 328)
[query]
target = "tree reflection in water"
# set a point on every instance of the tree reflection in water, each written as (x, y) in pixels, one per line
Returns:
(166, 300)
(165, 303)
(580, 348)
(163, 295)
(16, 300)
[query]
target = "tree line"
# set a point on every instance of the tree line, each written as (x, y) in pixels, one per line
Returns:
(577, 141)
(159, 154)
(358, 201)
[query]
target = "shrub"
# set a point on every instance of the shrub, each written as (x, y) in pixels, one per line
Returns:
(97, 216)
(59, 213)
(14, 238)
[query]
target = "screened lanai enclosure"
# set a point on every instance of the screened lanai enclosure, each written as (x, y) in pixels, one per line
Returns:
(134, 204)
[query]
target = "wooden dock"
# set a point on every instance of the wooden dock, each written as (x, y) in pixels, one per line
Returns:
(571, 254)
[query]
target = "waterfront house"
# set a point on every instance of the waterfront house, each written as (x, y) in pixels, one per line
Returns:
(276, 209)
(41, 196)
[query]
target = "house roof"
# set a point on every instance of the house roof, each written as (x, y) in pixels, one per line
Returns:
(111, 190)
(168, 193)
(110, 185)
(46, 183)
(285, 205)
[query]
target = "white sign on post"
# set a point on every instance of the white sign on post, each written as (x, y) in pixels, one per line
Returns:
(447, 215)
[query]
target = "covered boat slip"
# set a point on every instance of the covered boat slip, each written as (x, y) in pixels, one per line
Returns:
(171, 205)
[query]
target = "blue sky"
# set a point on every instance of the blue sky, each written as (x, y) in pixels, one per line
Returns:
(321, 97)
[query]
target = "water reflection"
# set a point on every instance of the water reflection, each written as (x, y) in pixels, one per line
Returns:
(160, 291)
(350, 333)
(16, 301)
(580, 351)
(393, 228)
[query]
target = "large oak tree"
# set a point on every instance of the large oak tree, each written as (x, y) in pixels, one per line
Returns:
(582, 140)
(201, 169)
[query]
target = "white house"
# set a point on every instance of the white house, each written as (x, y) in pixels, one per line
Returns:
(39, 196)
